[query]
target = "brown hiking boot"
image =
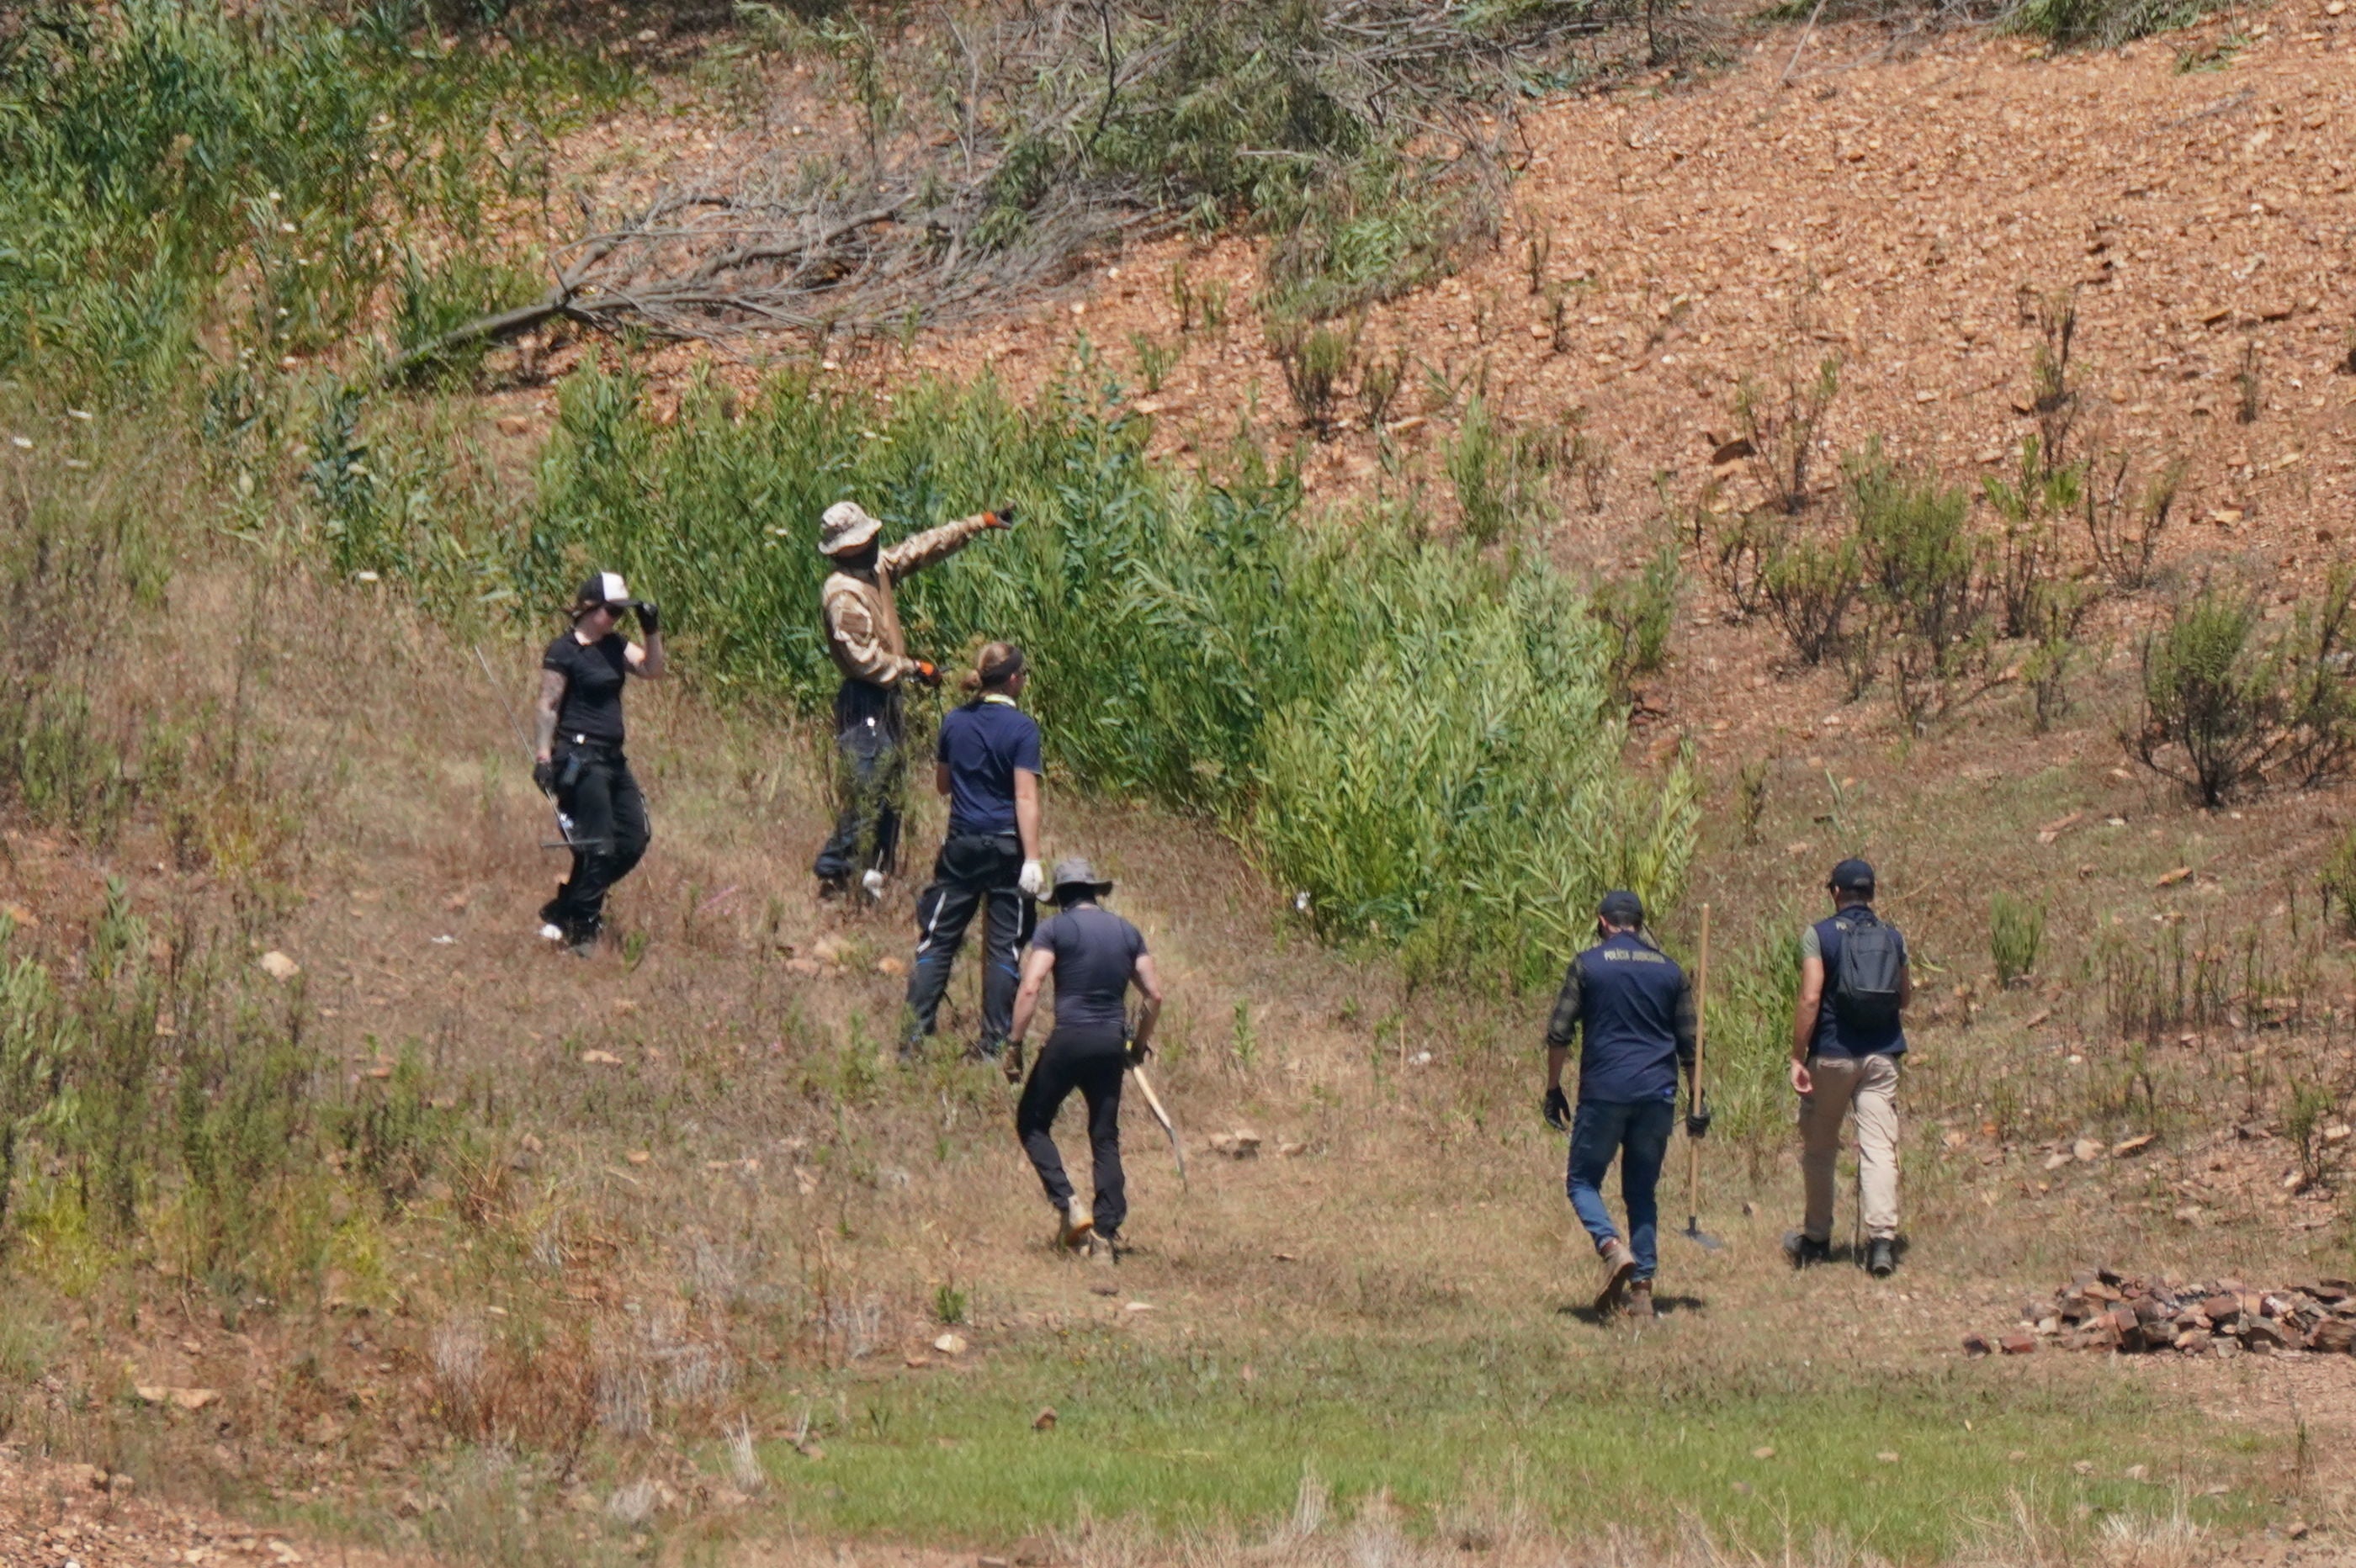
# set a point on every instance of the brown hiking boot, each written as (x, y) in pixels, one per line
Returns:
(1619, 1267)
(1639, 1301)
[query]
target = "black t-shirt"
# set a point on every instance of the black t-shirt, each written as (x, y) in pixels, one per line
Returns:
(1096, 953)
(591, 709)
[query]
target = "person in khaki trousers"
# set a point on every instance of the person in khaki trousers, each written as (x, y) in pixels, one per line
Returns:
(1847, 1033)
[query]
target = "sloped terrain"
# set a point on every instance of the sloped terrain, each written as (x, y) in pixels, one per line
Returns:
(693, 1271)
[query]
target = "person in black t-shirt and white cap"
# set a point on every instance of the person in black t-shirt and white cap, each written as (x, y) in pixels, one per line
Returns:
(1847, 1033)
(1095, 957)
(579, 759)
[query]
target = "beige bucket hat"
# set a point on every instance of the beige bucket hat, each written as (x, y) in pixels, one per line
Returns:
(846, 526)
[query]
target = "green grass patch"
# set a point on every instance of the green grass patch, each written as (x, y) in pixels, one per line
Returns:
(1648, 1433)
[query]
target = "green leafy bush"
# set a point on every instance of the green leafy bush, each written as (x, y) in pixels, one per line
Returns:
(153, 153)
(1197, 642)
(2228, 708)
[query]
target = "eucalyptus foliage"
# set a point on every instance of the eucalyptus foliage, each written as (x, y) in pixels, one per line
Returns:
(1422, 741)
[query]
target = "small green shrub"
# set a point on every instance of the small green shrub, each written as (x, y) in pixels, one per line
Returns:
(2016, 932)
(1781, 426)
(392, 1132)
(1316, 360)
(1636, 612)
(2101, 24)
(1500, 473)
(1811, 587)
(1155, 359)
(2338, 880)
(2227, 709)
(2309, 1110)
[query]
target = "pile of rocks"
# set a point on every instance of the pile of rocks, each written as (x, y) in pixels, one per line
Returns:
(2103, 1309)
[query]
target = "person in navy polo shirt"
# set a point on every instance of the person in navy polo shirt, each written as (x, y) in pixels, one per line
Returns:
(1634, 1009)
(987, 764)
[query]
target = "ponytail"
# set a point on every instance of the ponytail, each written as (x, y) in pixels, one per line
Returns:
(993, 667)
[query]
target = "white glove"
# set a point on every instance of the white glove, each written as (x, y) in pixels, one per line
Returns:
(1033, 880)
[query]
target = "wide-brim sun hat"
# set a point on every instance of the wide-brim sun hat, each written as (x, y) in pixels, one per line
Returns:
(845, 526)
(1075, 871)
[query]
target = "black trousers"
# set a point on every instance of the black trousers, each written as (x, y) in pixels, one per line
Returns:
(606, 817)
(973, 869)
(1093, 1063)
(871, 784)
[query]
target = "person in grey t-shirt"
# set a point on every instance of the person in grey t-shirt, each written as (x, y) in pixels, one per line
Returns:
(1095, 957)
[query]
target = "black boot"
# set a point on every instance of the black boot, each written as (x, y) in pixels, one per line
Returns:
(1881, 1258)
(1803, 1252)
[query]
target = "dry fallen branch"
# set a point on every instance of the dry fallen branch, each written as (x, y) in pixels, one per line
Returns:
(1054, 129)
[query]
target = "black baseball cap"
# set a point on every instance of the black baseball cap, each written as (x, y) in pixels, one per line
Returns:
(1621, 908)
(1851, 876)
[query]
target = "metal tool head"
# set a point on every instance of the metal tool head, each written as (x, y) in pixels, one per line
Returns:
(1693, 1232)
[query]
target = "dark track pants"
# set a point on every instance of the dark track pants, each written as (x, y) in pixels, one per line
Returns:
(1094, 1064)
(606, 815)
(871, 784)
(973, 869)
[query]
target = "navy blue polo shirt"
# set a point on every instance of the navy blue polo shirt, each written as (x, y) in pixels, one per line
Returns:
(1832, 1037)
(1633, 1011)
(981, 743)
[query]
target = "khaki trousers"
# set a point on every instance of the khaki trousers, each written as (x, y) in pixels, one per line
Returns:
(1869, 1085)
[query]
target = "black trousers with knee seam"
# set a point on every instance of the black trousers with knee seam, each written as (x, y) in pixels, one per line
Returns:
(973, 869)
(1094, 1063)
(605, 817)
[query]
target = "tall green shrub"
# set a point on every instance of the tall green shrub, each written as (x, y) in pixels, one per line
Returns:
(1422, 741)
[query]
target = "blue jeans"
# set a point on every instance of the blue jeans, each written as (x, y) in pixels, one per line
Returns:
(1639, 1134)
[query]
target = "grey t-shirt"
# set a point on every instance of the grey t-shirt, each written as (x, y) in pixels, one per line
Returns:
(1096, 955)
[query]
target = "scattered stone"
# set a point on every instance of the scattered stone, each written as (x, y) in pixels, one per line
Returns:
(1765, 1451)
(1240, 1144)
(1044, 1421)
(600, 1059)
(2086, 1151)
(1977, 1345)
(2104, 1309)
(2134, 1144)
(951, 1345)
(278, 966)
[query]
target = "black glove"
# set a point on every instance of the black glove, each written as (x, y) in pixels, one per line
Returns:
(1557, 1109)
(927, 672)
(1138, 1053)
(543, 775)
(649, 619)
(1697, 1117)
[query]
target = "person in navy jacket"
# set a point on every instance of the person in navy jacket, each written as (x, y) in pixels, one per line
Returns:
(1633, 1009)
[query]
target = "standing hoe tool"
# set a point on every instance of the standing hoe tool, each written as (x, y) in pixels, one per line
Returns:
(1154, 1103)
(1692, 1230)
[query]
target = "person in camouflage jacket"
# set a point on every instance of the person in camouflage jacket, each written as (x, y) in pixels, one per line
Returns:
(864, 636)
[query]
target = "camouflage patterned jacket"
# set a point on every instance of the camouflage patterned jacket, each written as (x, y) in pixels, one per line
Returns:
(862, 622)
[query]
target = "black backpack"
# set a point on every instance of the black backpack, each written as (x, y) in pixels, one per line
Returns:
(1872, 966)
